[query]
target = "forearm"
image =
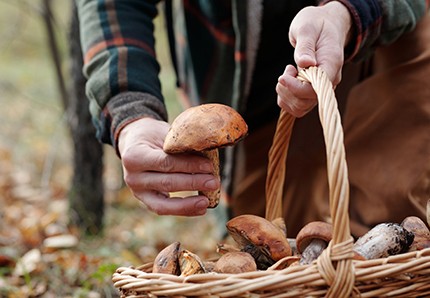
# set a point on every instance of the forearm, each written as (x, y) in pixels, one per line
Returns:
(118, 45)
(379, 22)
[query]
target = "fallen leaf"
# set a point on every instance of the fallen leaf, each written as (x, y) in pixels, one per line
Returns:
(61, 241)
(28, 263)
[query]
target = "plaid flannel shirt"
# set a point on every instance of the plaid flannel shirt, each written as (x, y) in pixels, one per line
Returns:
(122, 69)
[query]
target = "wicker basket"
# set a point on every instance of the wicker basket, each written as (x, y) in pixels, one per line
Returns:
(334, 273)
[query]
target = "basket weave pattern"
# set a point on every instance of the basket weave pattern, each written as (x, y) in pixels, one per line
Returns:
(334, 273)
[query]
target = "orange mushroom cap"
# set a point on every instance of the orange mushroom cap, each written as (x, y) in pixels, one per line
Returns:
(205, 127)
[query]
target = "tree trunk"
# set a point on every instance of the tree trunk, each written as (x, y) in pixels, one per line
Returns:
(86, 191)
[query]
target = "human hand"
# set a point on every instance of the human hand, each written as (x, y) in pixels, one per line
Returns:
(319, 35)
(151, 174)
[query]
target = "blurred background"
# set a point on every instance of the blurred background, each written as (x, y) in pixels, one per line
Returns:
(65, 224)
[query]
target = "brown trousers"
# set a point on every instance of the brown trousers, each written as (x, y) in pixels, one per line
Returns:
(386, 120)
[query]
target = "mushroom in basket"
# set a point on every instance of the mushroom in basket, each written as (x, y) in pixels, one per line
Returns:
(420, 230)
(204, 129)
(235, 262)
(383, 240)
(259, 237)
(167, 260)
(312, 239)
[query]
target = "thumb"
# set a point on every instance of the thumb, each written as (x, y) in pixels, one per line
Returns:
(304, 53)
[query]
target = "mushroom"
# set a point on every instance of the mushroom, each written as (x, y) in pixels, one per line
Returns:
(280, 223)
(204, 129)
(420, 230)
(383, 240)
(190, 263)
(285, 262)
(259, 237)
(223, 248)
(167, 260)
(312, 239)
(235, 262)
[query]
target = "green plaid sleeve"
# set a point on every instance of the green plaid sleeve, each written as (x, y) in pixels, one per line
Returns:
(120, 63)
(379, 22)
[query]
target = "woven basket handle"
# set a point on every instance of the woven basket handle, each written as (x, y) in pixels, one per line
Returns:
(340, 248)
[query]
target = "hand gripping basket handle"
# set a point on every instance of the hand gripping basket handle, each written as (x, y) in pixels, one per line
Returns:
(335, 264)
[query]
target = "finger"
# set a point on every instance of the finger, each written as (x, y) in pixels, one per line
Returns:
(163, 205)
(290, 71)
(304, 53)
(147, 159)
(291, 87)
(171, 182)
(295, 96)
(331, 63)
(297, 108)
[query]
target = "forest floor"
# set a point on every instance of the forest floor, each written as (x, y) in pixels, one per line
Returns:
(40, 254)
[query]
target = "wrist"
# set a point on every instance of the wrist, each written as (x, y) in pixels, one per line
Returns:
(340, 14)
(128, 131)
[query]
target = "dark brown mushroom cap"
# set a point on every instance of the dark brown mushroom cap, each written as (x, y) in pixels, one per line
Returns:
(313, 230)
(205, 127)
(255, 230)
(167, 260)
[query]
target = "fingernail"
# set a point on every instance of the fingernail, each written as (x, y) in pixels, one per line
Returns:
(211, 184)
(202, 204)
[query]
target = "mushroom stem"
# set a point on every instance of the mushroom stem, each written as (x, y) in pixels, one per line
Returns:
(214, 195)
(312, 251)
(383, 240)
(260, 254)
(293, 245)
(312, 239)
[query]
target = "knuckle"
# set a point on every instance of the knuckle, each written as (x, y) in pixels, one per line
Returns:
(157, 209)
(165, 163)
(166, 184)
(194, 185)
(127, 160)
(130, 179)
(152, 205)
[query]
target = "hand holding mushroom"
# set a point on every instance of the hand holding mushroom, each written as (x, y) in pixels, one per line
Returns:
(202, 130)
(152, 174)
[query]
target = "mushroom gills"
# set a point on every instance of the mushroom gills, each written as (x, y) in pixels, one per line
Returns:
(190, 263)
(260, 254)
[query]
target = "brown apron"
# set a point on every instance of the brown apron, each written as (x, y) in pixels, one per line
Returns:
(387, 140)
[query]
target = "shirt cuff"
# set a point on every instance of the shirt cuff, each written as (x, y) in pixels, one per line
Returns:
(366, 20)
(125, 108)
